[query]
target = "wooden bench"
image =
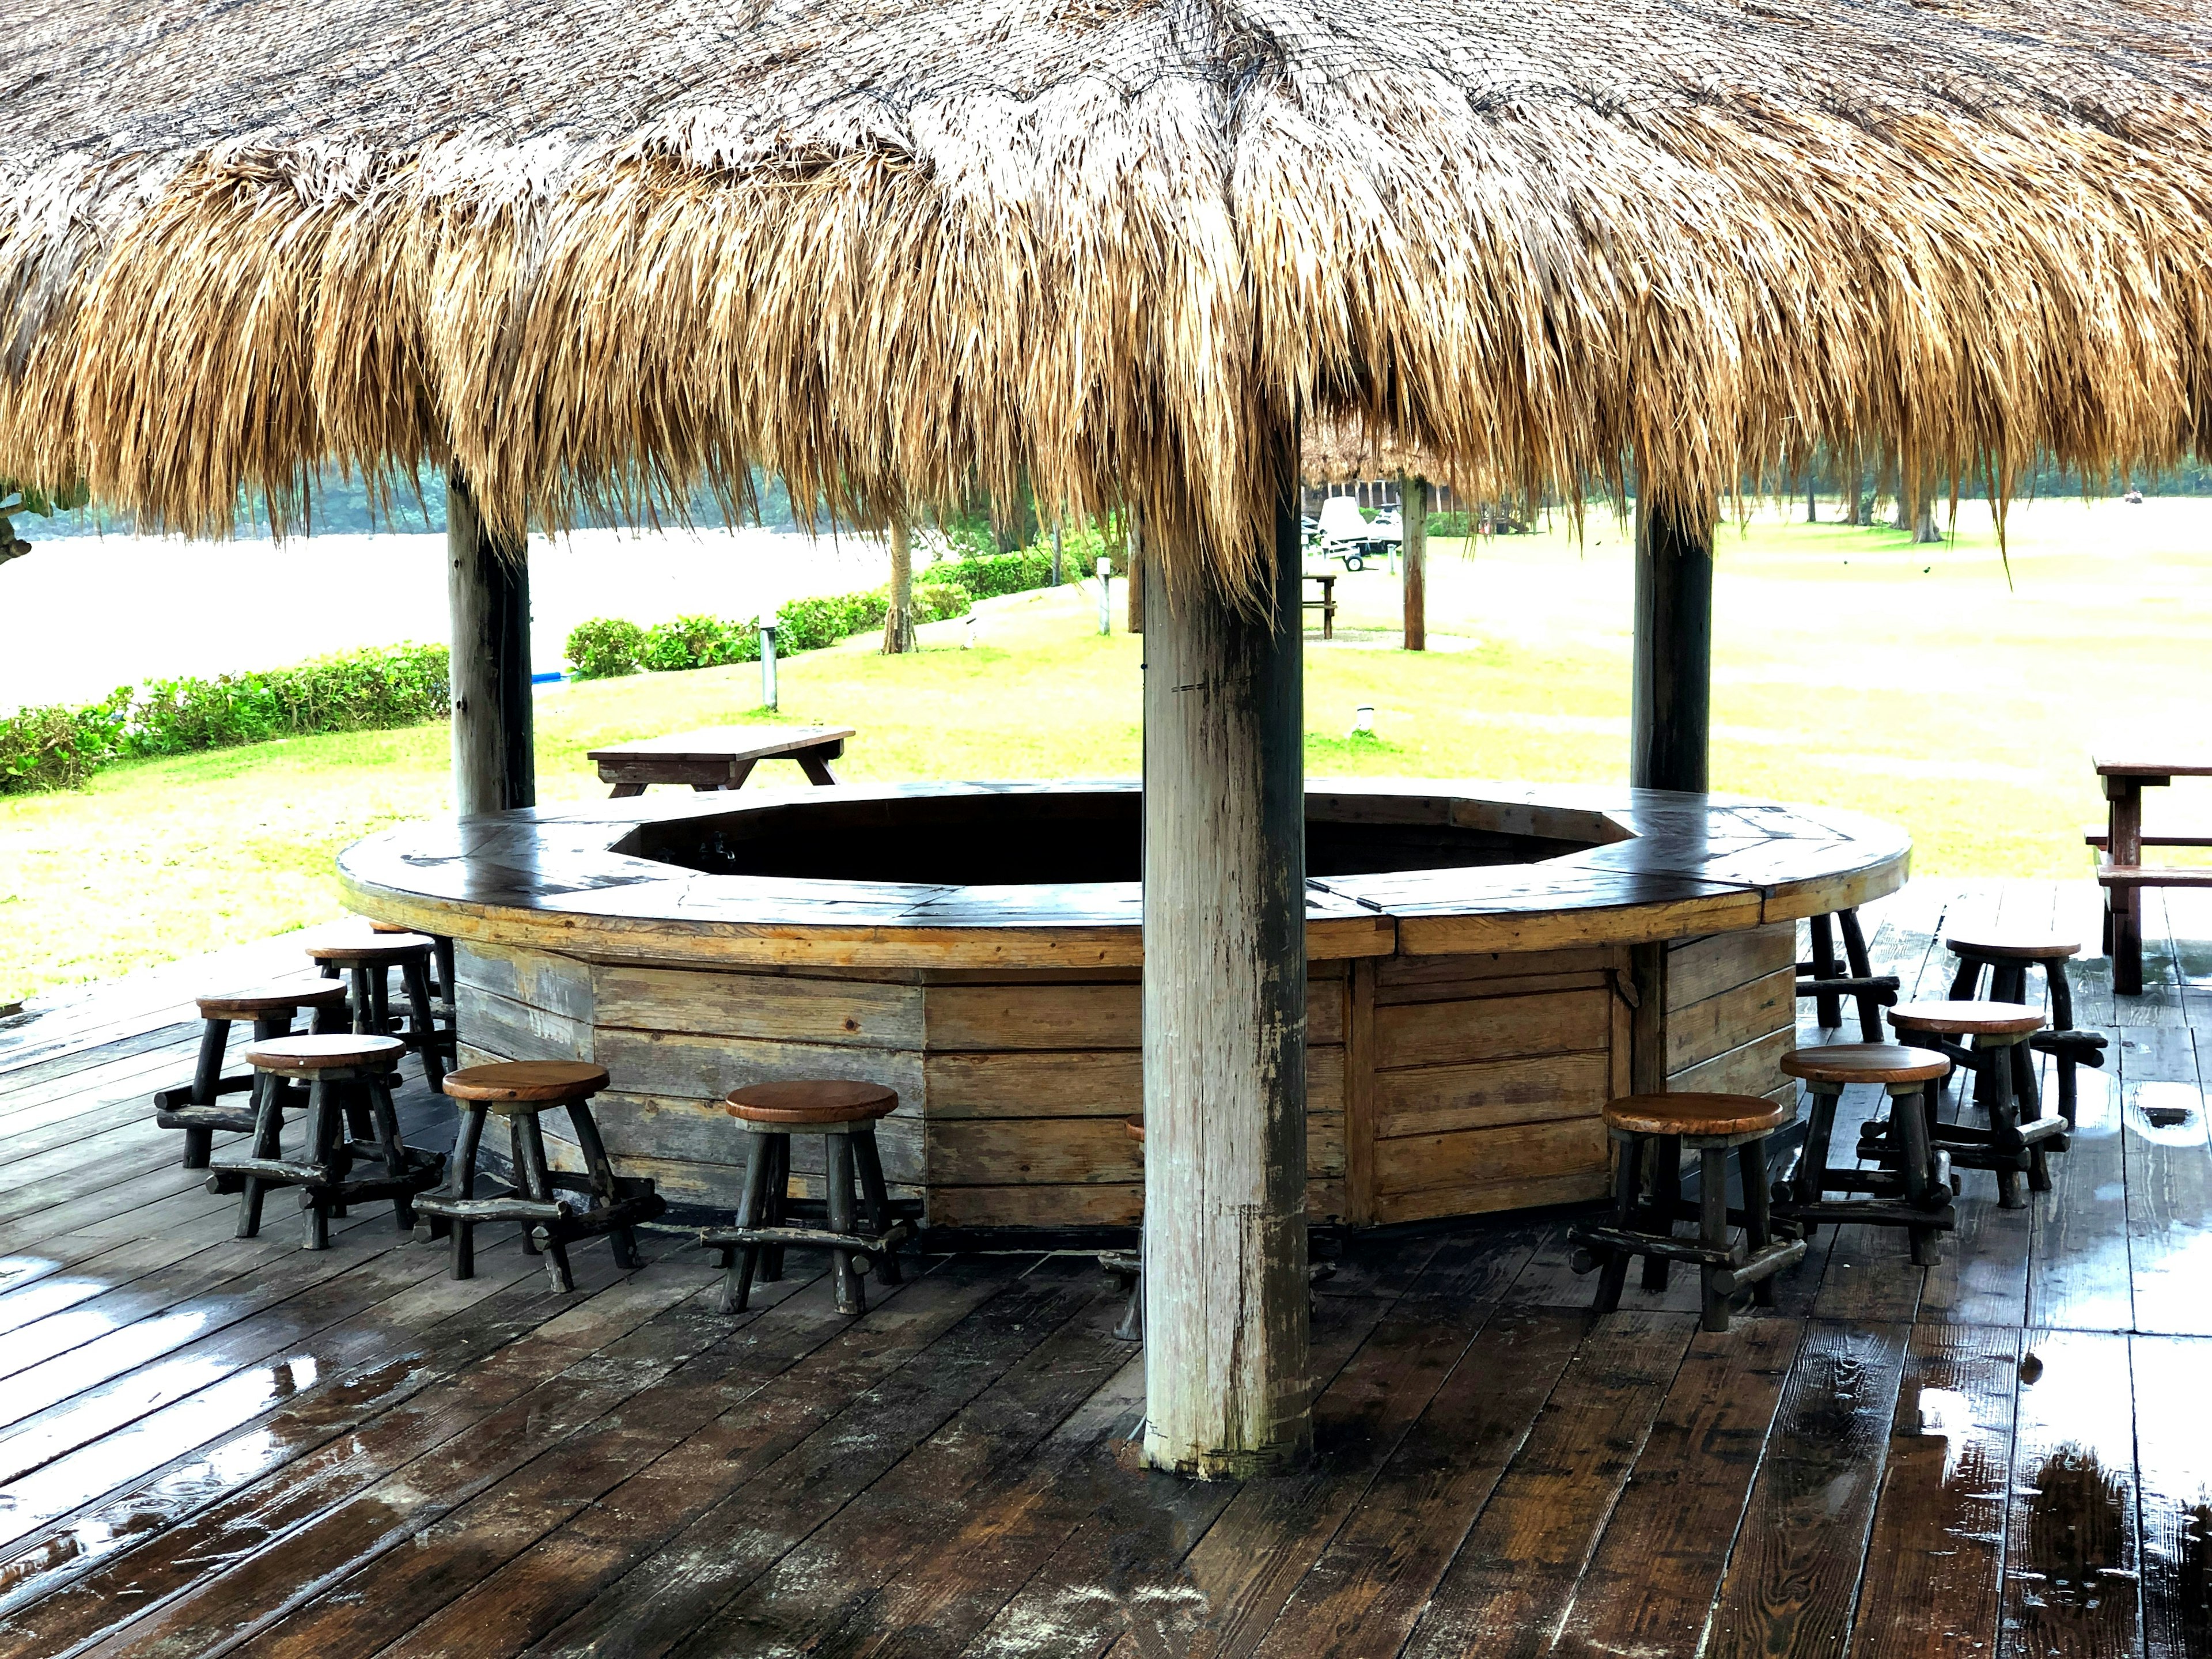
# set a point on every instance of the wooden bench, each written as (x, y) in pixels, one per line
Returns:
(2121, 871)
(1326, 603)
(720, 757)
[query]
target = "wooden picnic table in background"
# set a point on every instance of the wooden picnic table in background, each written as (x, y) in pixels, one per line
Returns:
(720, 757)
(1327, 603)
(2121, 872)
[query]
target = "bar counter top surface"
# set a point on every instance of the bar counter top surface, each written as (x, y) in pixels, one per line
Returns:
(1647, 865)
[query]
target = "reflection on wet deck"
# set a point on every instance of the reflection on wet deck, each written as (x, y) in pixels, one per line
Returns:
(210, 1446)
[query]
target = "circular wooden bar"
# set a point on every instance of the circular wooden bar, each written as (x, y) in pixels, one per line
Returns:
(1488, 964)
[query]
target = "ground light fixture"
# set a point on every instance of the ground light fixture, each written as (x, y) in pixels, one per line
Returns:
(1363, 721)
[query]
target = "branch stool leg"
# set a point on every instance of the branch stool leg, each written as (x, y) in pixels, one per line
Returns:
(600, 1167)
(1712, 1204)
(1612, 1276)
(875, 1201)
(1908, 1124)
(1811, 1184)
(325, 1135)
(844, 1271)
(1967, 980)
(1828, 1007)
(737, 1265)
(1665, 1154)
(770, 1268)
(423, 1013)
(386, 1119)
(1993, 1066)
(268, 1140)
(207, 1072)
(537, 1183)
(2061, 1019)
(461, 1183)
(1757, 1223)
(1862, 967)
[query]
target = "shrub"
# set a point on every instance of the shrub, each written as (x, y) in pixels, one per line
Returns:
(698, 642)
(1448, 524)
(603, 647)
(55, 747)
(352, 692)
(810, 624)
(1003, 573)
(940, 602)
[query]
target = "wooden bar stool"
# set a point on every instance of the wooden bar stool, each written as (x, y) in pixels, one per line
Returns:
(442, 957)
(1827, 985)
(2006, 959)
(368, 962)
(519, 1090)
(845, 1113)
(1128, 1266)
(1913, 1190)
(337, 1069)
(1663, 1126)
(194, 1107)
(2009, 1145)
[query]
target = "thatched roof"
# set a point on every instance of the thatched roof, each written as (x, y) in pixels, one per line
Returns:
(582, 246)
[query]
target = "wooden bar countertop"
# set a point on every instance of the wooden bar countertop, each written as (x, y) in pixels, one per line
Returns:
(1651, 866)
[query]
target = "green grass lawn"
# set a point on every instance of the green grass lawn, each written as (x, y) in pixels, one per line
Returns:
(1851, 669)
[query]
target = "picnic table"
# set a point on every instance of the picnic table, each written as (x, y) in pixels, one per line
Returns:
(2121, 872)
(1327, 603)
(720, 757)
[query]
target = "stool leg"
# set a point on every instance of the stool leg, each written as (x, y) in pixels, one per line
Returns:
(875, 1201)
(417, 978)
(461, 1183)
(1131, 1327)
(1613, 1277)
(380, 999)
(1757, 1225)
(1712, 1205)
(1862, 967)
(602, 1171)
(364, 1005)
(387, 1120)
(1664, 1154)
(1908, 1123)
(1993, 1074)
(441, 950)
(268, 1140)
(329, 1022)
(2061, 1019)
(538, 1185)
(778, 1207)
(516, 1162)
(325, 1136)
(207, 1072)
(1828, 1007)
(1967, 980)
(1811, 1184)
(737, 1265)
(844, 1270)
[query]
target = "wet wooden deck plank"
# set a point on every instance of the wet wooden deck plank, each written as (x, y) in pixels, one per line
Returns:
(2168, 1166)
(2174, 1494)
(2071, 1588)
(1793, 1580)
(1934, 1556)
(1649, 1585)
(1514, 1577)
(2079, 1276)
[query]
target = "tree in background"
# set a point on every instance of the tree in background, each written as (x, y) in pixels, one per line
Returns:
(898, 620)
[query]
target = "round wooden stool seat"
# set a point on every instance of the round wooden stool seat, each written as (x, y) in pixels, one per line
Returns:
(1695, 1115)
(1966, 1018)
(383, 947)
(272, 1000)
(511, 1086)
(325, 1054)
(1865, 1063)
(805, 1103)
(1134, 1128)
(2013, 947)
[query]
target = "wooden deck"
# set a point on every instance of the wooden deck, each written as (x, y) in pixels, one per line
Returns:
(210, 1446)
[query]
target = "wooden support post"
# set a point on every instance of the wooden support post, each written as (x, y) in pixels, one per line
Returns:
(1414, 518)
(1224, 999)
(488, 592)
(1136, 544)
(1670, 707)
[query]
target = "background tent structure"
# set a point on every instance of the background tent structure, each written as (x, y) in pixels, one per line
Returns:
(573, 250)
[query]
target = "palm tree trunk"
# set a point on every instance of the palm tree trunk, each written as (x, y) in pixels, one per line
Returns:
(898, 621)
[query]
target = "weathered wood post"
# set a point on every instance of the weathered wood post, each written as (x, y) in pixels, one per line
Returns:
(488, 593)
(1224, 1009)
(1670, 717)
(1136, 555)
(1414, 518)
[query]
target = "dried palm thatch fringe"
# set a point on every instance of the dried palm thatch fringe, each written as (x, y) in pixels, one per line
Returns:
(594, 252)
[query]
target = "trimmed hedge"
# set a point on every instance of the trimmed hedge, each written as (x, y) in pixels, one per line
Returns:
(59, 748)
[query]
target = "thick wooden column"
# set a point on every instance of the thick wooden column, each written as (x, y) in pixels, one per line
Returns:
(1413, 517)
(1670, 717)
(488, 592)
(898, 619)
(1225, 1384)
